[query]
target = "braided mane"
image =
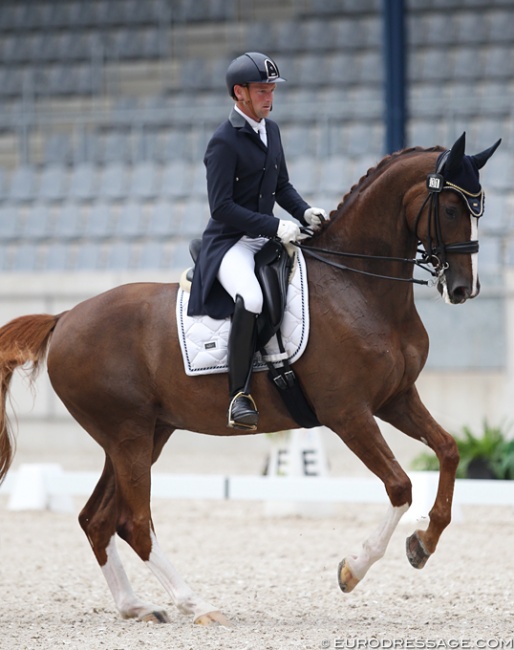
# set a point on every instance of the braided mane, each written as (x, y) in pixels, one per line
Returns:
(374, 171)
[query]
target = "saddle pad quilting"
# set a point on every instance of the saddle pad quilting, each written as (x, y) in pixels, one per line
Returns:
(204, 340)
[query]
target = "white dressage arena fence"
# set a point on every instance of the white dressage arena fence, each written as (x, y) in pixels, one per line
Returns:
(48, 487)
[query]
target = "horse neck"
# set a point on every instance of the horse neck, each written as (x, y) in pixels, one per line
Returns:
(371, 218)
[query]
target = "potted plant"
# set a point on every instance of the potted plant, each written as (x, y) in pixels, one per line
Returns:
(489, 456)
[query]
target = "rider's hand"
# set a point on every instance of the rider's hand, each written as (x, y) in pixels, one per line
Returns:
(287, 231)
(315, 217)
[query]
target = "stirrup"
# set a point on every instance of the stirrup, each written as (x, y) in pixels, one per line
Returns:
(251, 414)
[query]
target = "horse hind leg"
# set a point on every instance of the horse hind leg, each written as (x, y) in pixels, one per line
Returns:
(366, 441)
(128, 504)
(98, 521)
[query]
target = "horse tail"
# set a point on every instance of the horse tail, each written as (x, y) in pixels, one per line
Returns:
(22, 340)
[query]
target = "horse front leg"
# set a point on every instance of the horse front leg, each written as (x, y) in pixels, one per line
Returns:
(408, 414)
(362, 435)
(354, 567)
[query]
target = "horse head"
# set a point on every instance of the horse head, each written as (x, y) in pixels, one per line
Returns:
(447, 223)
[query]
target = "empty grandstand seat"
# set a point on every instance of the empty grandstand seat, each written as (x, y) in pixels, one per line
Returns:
(69, 222)
(499, 25)
(10, 223)
(99, 221)
(311, 70)
(336, 175)
(54, 182)
(180, 256)
(175, 145)
(23, 185)
(195, 215)
(304, 174)
(162, 221)
(498, 174)
(113, 182)
(120, 256)
(26, 257)
(114, 147)
(57, 149)
(289, 36)
(5, 255)
(153, 255)
(341, 69)
(260, 38)
(428, 65)
(498, 62)
(90, 257)
(84, 182)
(491, 256)
(496, 213)
(176, 180)
(319, 35)
(130, 222)
(144, 182)
(56, 257)
(39, 222)
(299, 140)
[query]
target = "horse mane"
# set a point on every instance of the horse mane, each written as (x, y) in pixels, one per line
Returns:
(375, 171)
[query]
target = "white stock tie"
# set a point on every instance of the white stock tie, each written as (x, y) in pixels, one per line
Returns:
(262, 132)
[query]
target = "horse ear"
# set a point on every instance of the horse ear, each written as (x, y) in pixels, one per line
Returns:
(481, 158)
(455, 156)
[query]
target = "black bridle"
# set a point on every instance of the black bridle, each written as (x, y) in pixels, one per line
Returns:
(434, 255)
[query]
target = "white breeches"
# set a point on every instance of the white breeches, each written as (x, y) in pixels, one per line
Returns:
(237, 272)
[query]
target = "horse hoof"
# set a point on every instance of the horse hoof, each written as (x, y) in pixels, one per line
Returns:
(156, 617)
(347, 582)
(213, 618)
(416, 553)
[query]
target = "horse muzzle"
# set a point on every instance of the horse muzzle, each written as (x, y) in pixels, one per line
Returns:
(455, 289)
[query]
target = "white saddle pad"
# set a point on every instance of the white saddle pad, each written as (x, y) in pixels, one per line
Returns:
(204, 340)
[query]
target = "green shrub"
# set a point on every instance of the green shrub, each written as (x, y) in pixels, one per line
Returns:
(492, 450)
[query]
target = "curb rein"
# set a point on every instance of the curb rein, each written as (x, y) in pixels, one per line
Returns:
(437, 257)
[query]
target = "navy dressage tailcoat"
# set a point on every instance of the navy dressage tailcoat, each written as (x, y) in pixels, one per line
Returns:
(244, 179)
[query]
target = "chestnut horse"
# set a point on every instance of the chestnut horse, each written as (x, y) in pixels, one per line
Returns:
(115, 362)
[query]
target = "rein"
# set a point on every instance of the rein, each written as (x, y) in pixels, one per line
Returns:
(420, 262)
(437, 257)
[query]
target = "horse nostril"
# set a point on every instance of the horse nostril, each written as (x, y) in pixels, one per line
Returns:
(460, 294)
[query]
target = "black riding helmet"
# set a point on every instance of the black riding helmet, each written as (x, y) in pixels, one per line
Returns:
(251, 67)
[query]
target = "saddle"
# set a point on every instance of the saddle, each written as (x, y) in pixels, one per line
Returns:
(273, 266)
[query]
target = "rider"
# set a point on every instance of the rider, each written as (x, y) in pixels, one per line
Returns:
(246, 174)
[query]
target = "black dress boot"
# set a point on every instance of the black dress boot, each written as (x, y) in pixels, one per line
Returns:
(242, 411)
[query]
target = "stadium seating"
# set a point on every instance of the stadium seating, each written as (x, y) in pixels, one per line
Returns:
(112, 102)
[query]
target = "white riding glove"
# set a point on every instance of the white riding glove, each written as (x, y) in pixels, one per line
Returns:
(315, 217)
(287, 231)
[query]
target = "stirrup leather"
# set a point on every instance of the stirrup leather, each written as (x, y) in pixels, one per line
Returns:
(234, 424)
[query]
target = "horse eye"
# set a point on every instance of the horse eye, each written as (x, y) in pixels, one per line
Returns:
(451, 212)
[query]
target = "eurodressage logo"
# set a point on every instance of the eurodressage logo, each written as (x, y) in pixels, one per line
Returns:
(419, 644)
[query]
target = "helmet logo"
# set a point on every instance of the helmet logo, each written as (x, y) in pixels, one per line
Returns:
(271, 69)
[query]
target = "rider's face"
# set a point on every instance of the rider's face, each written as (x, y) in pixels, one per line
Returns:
(256, 99)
